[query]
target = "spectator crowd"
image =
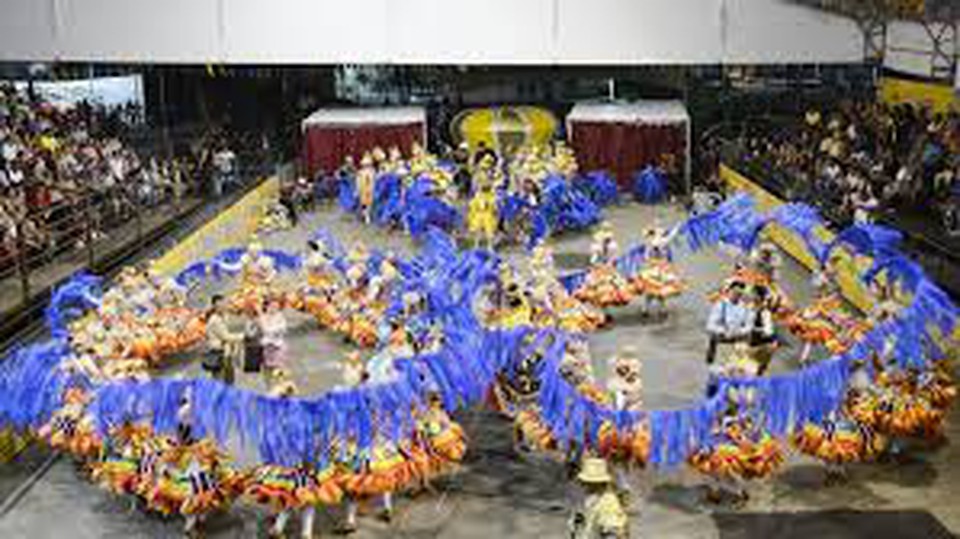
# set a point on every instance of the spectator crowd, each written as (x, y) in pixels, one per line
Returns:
(864, 159)
(68, 176)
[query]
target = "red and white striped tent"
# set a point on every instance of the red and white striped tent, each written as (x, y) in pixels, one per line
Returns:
(329, 135)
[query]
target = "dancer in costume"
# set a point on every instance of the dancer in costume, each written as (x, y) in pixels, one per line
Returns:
(838, 442)
(506, 303)
(482, 218)
(657, 280)
(825, 322)
(602, 516)
(365, 183)
(71, 429)
(442, 437)
(740, 450)
(192, 477)
(760, 268)
(604, 286)
(324, 280)
(553, 305)
(576, 367)
(286, 490)
(257, 273)
(730, 320)
(517, 391)
(377, 472)
(319, 267)
(256, 267)
(119, 466)
(381, 366)
(356, 323)
(626, 389)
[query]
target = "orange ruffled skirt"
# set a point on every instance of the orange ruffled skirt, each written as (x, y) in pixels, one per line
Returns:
(604, 287)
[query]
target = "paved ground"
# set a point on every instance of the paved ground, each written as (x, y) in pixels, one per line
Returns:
(500, 494)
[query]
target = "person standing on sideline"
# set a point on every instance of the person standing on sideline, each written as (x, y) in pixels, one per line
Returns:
(221, 343)
(730, 320)
(763, 335)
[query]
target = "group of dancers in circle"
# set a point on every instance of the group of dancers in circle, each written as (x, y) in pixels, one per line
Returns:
(146, 318)
(191, 476)
(886, 405)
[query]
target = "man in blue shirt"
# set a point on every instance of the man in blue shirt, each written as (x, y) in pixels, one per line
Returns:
(730, 320)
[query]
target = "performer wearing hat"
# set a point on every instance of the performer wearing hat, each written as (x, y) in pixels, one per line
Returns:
(365, 181)
(739, 449)
(555, 306)
(604, 286)
(286, 490)
(602, 515)
(256, 268)
(658, 280)
(318, 265)
(626, 386)
(482, 220)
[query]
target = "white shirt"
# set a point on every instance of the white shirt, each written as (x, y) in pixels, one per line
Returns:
(730, 319)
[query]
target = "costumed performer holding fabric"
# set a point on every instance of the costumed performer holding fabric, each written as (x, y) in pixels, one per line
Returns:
(658, 279)
(604, 286)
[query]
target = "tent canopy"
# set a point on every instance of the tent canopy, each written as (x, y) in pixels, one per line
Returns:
(329, 135)
(656, 112)
(624, 137)
(346, 117)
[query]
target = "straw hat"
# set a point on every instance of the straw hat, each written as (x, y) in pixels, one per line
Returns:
(366, 160)
(594, 471)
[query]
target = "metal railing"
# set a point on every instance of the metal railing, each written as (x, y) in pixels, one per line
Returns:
(89, 228)
(938, 260)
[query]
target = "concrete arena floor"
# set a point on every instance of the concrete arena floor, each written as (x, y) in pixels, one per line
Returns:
(499, 494)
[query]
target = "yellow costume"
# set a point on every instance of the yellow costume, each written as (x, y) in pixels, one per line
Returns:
(482, 216)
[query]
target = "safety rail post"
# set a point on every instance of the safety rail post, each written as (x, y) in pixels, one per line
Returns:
(89, 223)
(22, 269)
